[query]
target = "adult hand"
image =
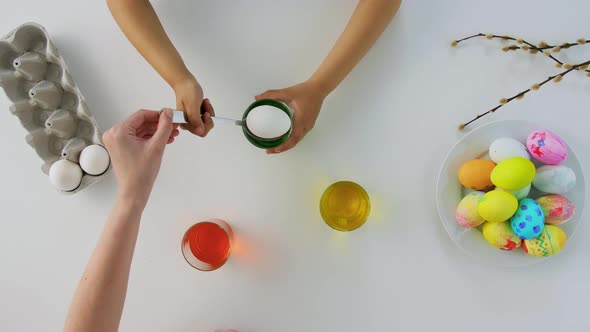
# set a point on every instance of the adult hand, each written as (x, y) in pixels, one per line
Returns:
(189, 98)
(305, 99)
(136, 147)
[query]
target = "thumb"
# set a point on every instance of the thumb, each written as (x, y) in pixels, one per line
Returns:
(164, 129)
(193, 111)
(280, 95)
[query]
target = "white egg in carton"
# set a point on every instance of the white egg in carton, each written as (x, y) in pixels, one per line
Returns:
(51, 108)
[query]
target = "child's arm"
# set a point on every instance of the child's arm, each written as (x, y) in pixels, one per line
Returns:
(139, 22)
(367, 23)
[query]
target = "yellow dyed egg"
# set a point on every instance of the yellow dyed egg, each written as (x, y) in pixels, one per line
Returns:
(497, 206)
(551, 240)
(501, 235)
(475, 174)
(513, 173)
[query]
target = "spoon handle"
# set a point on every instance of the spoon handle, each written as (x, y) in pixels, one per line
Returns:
(179, 117)
(228, 121)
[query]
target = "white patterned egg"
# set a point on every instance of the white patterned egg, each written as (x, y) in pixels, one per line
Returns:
(554, 179)
(506, 147)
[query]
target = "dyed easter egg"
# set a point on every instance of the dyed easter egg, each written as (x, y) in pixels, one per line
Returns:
(557, 209)
(529, 220)
(551, 240)
(513, 173)
(519, 193)
(475, 174)
(555, 179)
(506, 147)
(466, 214)
(500, 235)
(497, 206)
(547, 147)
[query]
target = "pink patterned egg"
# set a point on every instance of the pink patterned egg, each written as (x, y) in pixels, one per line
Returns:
(557, 209)
(546, 147)
(466, 214)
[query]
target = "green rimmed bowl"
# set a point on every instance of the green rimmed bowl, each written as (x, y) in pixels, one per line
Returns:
(265, 143)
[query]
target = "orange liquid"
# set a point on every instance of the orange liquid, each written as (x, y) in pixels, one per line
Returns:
(209, 243)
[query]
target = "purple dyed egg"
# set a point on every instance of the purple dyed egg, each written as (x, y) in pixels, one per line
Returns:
(547, 147)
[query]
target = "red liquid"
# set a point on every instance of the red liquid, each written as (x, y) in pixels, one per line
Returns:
(209, 243)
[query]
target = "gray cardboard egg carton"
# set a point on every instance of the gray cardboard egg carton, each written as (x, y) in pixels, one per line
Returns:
(45, 98)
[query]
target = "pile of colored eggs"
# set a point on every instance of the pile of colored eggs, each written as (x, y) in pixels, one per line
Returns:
(498, 194)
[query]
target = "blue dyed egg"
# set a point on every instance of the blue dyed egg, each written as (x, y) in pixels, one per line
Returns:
(529, 220)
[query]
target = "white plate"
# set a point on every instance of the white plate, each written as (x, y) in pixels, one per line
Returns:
(449, 192)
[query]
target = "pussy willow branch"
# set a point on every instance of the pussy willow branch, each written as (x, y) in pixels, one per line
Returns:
(542, 48)
(559, 64)
(542, 45)
(556, 78)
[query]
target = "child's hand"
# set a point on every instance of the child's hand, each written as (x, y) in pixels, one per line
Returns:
(189, 98)
(136, 146)
(305, 99)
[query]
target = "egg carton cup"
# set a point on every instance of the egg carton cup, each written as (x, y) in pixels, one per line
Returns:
(46, 99)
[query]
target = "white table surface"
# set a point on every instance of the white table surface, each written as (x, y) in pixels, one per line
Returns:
(388, 127)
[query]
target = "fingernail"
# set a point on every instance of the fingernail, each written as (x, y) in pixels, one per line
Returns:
(200, 130)
(168, 113)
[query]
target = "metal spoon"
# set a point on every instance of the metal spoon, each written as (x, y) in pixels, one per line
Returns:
(180, 117)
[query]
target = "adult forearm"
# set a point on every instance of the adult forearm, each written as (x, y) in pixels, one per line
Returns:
(98, 302)
(139, 22)
(368, 21)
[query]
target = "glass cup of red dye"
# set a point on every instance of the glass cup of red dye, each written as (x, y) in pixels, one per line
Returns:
(206, 245)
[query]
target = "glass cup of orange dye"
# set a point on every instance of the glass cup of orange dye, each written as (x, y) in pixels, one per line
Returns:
(206, 245)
